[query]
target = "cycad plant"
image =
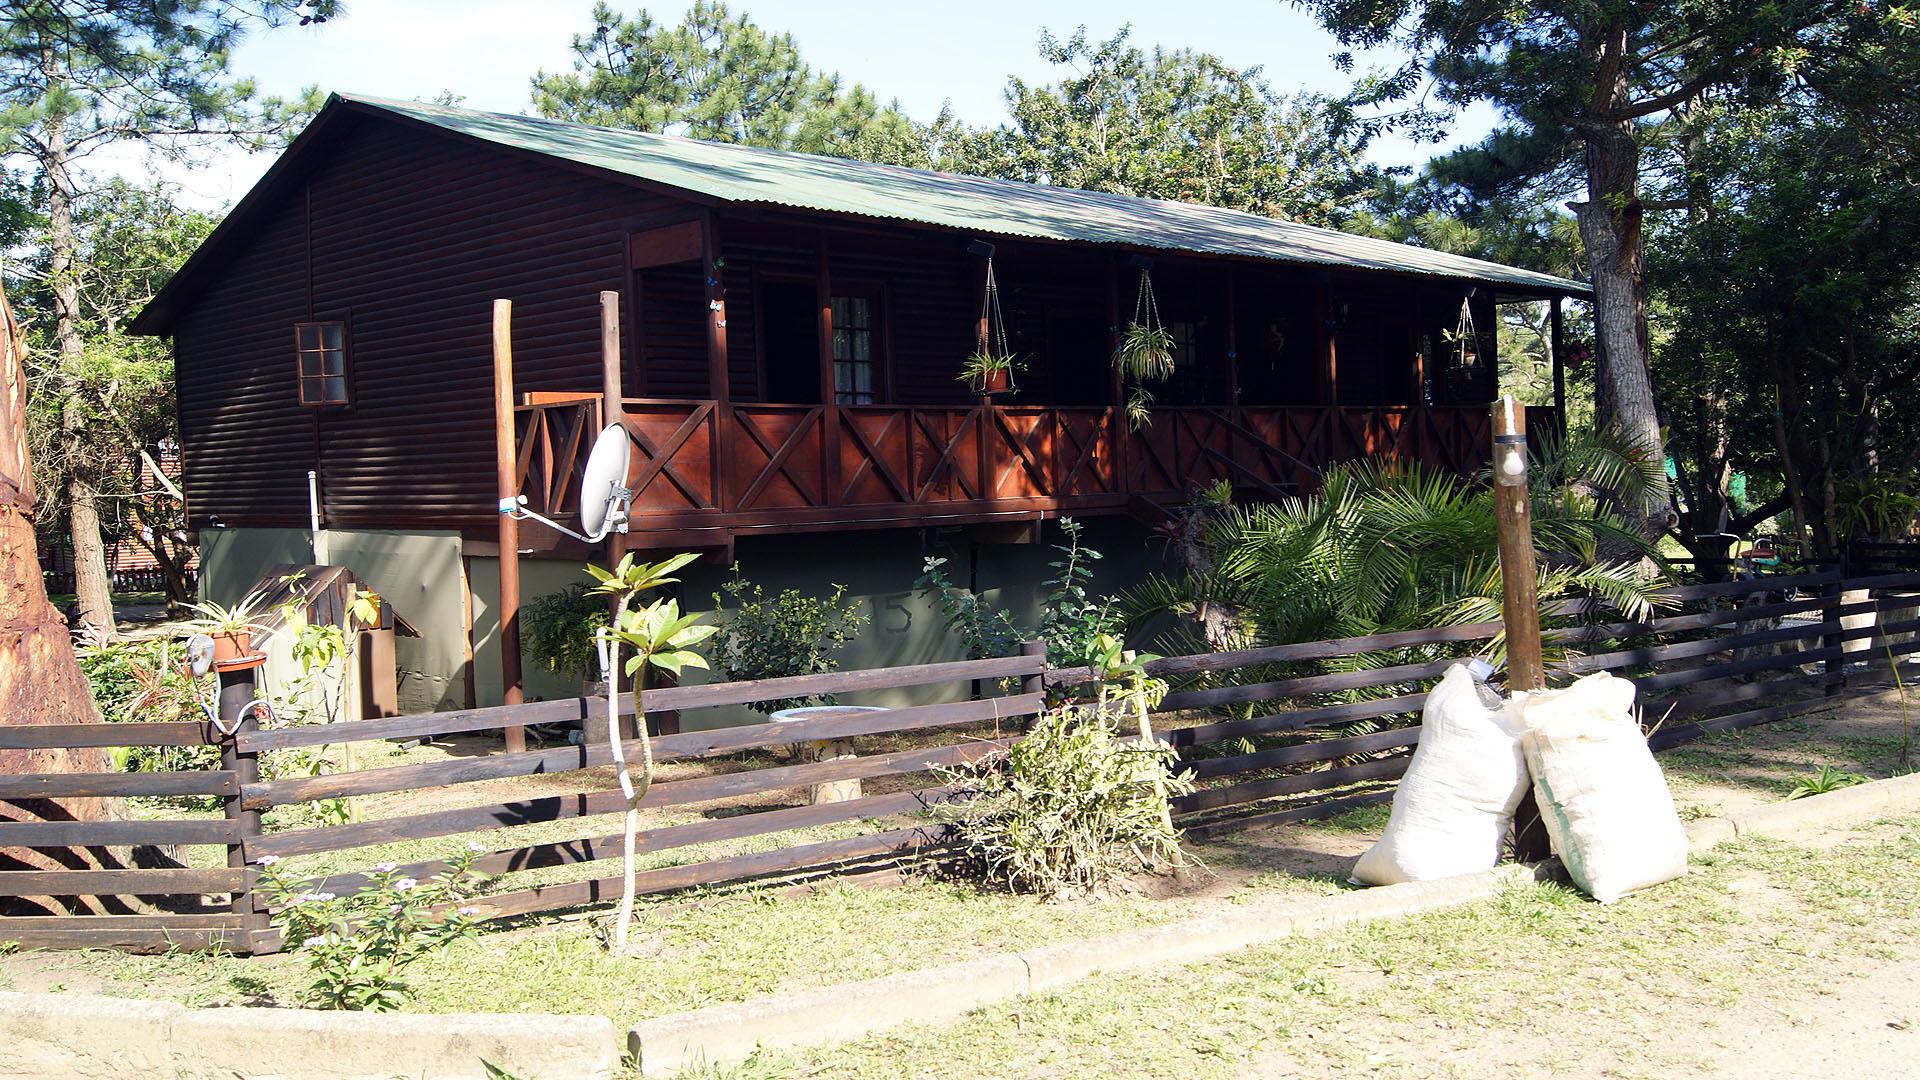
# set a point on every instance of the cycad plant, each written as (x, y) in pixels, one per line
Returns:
(1385, 546)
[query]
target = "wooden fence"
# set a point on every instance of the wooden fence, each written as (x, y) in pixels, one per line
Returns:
(1283, 732)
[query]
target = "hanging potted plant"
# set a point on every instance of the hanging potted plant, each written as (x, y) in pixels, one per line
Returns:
(1145, 353)
(990, 369)
(986, 373)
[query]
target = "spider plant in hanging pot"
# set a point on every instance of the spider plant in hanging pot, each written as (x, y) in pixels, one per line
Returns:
(987, 374)
(1146, 352)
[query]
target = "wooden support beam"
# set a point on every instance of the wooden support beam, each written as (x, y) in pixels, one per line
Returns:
(829, 386)
(504, 454)
(1233, 342)
(1326, 375)
(1557, 356)
(610, 391)
(718, 385)
(1114, 330)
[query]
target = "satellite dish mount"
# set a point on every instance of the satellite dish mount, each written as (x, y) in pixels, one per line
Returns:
(604, 497)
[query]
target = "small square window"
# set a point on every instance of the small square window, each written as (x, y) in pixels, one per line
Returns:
(320, 349)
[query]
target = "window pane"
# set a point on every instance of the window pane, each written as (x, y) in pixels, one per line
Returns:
(336, 388)
(859, 312)
(309, 364)
(307, 337)
(839, 305)
(863, 378)
(333, 336)
(336, 362)
(863, 346)
(839, 341)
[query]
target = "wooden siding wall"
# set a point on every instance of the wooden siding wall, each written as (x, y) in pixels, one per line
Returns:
(408, 236)
(413, 236)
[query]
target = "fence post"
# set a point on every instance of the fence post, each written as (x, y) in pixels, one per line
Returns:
(1831, 597)
(1035, 683)
(237, 692)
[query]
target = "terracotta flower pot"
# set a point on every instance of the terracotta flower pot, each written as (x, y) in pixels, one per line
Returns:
(232, 645)
(997, 381)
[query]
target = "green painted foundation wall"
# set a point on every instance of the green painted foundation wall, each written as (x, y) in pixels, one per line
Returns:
(423, 574)
(419, 573)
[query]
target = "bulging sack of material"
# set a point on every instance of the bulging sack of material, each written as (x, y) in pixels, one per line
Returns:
(1455, 803)
(1602, 795)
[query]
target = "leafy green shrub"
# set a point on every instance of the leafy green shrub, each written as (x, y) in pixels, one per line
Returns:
(791, 634)
(357, 945)
(142, 681)
(1070, 619)
(559, 629)
(1069, 808)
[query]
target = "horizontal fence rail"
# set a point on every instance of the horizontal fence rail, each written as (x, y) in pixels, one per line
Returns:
(1278, 732)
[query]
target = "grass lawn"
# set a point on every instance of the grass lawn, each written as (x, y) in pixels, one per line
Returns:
(1540, 981)
(1374, 997)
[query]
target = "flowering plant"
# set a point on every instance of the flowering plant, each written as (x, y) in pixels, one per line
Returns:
(357, 943)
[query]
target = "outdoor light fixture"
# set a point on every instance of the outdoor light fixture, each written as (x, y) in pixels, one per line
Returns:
(1510, 453)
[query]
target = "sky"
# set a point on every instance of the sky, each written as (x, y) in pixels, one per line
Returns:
(922, 54)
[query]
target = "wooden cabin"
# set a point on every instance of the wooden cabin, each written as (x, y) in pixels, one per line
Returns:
(791, 328)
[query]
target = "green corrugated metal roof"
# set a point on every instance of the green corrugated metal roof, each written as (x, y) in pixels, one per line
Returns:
(741, 174)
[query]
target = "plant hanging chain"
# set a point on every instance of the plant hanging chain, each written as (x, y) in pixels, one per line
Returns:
(1146, 352)
(993, 329)
(1467, 339)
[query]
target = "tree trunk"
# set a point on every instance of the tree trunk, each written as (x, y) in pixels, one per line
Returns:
(90, 582)
(1610, 227)
(40, 681)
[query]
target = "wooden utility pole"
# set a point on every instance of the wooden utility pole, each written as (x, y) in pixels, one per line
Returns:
(1519, 593)
(505, 466)
(1519, 574)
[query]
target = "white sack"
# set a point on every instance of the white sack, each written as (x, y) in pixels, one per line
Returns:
(1455, 803)
(1601, 794)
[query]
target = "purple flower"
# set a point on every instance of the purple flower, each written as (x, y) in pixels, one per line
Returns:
(267, 860)
(404, 884)
(469, 911)
(384, 868)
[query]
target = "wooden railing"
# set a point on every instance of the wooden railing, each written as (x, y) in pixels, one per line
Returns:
(703, 465)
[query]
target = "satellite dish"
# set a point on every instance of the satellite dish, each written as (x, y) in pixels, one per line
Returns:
(603, 493)
(199, 654)
(604, 497)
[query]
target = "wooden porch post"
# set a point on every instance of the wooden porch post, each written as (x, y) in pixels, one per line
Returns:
(1233, 343)
(829, 386)
(1327, 371)
(610, 392)
(717, 375)
(1556, 356)
(1117, 416)
(505, 463)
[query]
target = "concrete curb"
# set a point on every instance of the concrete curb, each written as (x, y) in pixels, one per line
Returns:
(664, 1045)
(1781, 821)
(61, 1036)
(724, 1033)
